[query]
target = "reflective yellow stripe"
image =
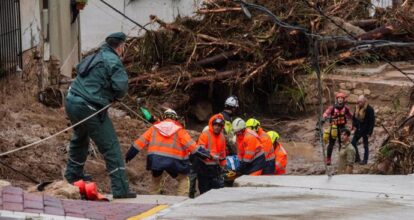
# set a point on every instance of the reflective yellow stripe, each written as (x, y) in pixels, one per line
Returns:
(173, 145)
(149, 213)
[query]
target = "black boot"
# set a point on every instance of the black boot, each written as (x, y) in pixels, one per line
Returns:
(129, 195)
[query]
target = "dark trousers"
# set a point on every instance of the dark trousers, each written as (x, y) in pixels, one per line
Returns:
(102, 132)
(354, 142)
(331, 144)
(332, 141)
(206, 183)
(193, 182)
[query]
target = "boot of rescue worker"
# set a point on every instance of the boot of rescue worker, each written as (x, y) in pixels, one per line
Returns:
(156, 187)
(183, 183)
(193, 182)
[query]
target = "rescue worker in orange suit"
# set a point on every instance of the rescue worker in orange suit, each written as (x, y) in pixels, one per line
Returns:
(254, 125)
(169, 146)
(280, 153)
(337, 116)
(209, 170)
(249, 150)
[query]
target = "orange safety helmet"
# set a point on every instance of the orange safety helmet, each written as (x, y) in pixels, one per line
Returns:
(340, 95)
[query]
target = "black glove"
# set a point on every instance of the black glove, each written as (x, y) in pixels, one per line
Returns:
(132, 152)
(203, 153)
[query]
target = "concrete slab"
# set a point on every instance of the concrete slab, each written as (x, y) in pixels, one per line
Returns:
(397, 184)
(290, 203)
(153, 199)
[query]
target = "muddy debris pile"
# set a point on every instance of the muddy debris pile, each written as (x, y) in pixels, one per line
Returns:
(223, 49)
(396, 156)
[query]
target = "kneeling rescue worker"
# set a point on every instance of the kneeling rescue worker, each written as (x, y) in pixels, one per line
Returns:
(280, 153)
(249, 150)
(209, 170)
(254, 125)
(169, 146)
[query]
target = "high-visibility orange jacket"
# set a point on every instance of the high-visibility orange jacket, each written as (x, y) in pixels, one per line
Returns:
(269, 168)
(281, 159)
(250, 152)
(169, 146)
(215, 143)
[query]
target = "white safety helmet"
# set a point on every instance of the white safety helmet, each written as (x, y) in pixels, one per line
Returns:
(232, 101)
(238, 125)
(169, 113)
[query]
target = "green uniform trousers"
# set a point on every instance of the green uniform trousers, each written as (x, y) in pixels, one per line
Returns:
(100, 129)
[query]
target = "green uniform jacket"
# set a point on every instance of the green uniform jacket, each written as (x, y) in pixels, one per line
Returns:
(101, 78)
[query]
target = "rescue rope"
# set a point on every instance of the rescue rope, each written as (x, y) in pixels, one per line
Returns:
(54, 135)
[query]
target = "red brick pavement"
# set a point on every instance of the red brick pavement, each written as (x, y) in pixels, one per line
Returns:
(14, 199)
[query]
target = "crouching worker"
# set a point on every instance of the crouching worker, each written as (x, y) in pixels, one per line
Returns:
(254, 125)
(169, 146)
(249, 150)
(209, 170)
(280, 153)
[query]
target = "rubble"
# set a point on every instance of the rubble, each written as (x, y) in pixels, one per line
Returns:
(223, 49)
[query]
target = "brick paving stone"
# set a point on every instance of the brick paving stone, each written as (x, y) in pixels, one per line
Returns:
(54, 211)
(13, 198)
(12, 190)
(75, 215)
(94, 215)
(13, 206)
(53, 204)
(33, 197)
(76, 210)
(33, 210)
(33, 204)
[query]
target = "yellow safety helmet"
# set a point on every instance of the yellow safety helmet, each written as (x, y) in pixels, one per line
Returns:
(252, 123)
(274, 136)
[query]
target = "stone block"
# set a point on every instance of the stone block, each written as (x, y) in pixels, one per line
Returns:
(30, 210)
(33, 204)
(358, 92)
(16, 198)
(13, 206)
(342, 85)
(352, 98)
(345, 91)
(367, 92)
(33, 197)
(54, 211)
(12, 190)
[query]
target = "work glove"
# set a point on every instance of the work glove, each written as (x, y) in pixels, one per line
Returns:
(132, 152)
(203, 153)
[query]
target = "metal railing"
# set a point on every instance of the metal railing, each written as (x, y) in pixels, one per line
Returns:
(10, 37)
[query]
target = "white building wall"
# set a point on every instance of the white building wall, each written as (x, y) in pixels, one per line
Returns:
(98, 20)
(30, 23)
(382, 3)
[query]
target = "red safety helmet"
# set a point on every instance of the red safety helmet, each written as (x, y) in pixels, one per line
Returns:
(89, 190)
(92, 192)
(340, 95)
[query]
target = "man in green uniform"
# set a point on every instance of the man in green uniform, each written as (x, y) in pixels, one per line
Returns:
(346, 154)
(101, 79)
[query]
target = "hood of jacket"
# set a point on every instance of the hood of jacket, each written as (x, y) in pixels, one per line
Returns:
(167, 127)
(210, 122)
